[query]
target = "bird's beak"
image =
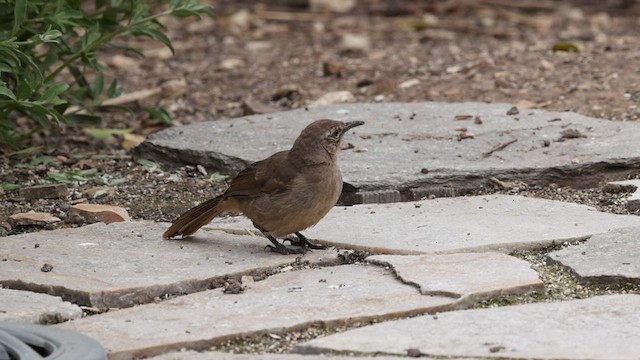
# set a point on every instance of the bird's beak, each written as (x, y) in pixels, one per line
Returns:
(350, 125)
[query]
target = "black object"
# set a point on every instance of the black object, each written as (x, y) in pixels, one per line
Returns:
(20, 341)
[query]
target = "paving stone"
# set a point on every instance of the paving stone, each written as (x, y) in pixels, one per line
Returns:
(605, 327)
(633, 201)
(403, 139)
(29, 307)
(463, 224)
(194, 355)
(331, 296)
(91, 213)
(128, 263)
(612, 257)
(32, 218)
(46, 191)
(473, 277)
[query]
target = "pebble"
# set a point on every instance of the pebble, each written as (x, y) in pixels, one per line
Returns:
(32, 218)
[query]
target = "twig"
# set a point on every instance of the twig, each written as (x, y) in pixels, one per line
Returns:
(498, 148)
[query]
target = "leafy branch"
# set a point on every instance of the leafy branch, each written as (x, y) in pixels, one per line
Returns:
(41, 39)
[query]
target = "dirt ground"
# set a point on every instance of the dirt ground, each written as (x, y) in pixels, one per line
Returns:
(280, 55)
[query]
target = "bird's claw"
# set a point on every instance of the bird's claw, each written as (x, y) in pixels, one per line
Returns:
(285, 250)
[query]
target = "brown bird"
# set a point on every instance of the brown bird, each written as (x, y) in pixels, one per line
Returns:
(283, 194)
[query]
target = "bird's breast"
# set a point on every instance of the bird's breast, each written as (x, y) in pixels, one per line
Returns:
(307, 199)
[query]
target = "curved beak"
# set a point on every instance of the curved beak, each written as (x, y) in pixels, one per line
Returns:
(350, 125)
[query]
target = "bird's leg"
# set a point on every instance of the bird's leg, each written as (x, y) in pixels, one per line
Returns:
(303, 241)
(277, 246)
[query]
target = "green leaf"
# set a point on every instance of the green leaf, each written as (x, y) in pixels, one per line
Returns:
(98, 85)
(217, 177)
(150, 165)
(156, 35)
(19, 14)
(44, 159)
(105, 134)
(114, 90)
(159, 113)
(53, 91)
(50, 36)
(84, 119)
(5, 91)
(568, 46)
(10, 186)
(79, 176)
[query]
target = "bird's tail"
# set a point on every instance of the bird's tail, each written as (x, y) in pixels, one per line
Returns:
(195, 218)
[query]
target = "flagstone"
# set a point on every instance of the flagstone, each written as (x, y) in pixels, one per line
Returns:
(603, 327)
(128, 263)
(330, 297)
(472, 277)
(30, 307)
(611, 257)
(413, 149)
(501, 223)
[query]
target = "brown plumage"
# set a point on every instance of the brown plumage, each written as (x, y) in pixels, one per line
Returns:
(283, 194)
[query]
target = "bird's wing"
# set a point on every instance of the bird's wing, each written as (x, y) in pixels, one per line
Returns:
(269, 176)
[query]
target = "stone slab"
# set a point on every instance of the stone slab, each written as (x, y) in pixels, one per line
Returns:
(288, 301)
(612, 257)
(633, 201)
(414, 147)
(606, 327)
(128, 263)
(463, 224)
(29, 307)
(473, 277)
(209, 355)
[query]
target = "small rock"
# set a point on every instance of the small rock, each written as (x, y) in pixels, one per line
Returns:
(46, 268)
(33, 218)
(92, 213)
(231, 64)
(252, 107)
(233, 287)
(337, 6)
(175, 88)
(616, 188)
(335, 97)
(409, 83)
(355, 43)
(633, 201)
(123, 62)
(257, 45)
(513, 111)
(285, 91)
(332, 68)
(240, 21)
(379, 98)
(572, 134)
(46, 191)
(246, 279)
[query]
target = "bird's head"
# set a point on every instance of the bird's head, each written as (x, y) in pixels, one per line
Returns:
(323, 135)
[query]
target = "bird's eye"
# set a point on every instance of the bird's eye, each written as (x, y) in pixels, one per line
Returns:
(335, 133)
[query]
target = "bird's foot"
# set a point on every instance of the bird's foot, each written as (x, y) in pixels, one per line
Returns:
(302, 241)
(285, 250)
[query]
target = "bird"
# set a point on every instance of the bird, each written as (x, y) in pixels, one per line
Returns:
(283, 194)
